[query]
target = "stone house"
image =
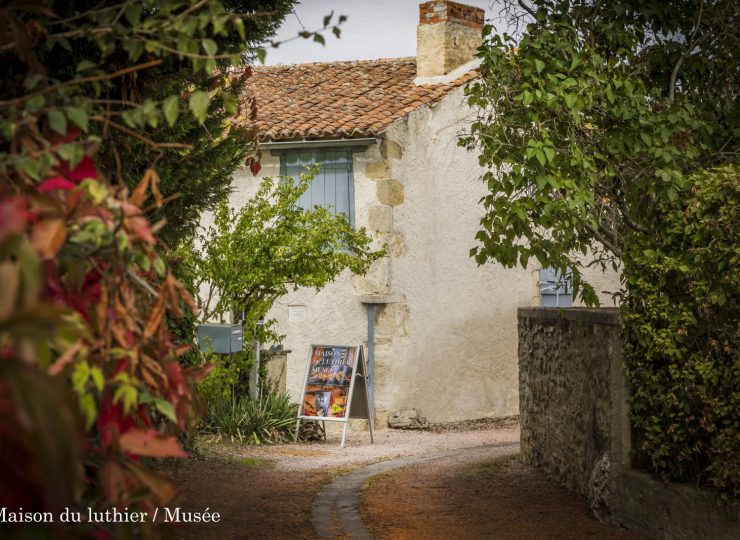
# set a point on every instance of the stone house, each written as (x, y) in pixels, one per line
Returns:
(443, 330)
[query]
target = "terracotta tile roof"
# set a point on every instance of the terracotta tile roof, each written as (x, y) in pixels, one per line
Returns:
(338, 99)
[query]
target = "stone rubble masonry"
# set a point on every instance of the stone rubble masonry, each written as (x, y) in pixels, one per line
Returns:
(447, 37)
(574, 413)
(394, 244)
(392, 320)
(380, 218)
(390, 149)
(376, 169)
(376, 282)
(389, 191)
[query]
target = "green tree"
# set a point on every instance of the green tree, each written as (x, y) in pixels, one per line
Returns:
(253, 255)
(591, 114)
(610, 134)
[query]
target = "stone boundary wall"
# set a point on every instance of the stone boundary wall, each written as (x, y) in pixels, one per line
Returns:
(574, 411)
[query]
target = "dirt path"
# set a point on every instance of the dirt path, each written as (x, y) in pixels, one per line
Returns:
(447, 488)
(336, 512)
(460, 496)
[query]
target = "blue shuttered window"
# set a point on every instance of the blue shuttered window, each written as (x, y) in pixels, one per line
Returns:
(554, 291)
(333, 187)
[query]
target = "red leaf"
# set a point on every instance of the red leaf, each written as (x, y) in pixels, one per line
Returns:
(85, 169)
(255, 167)
(57, 182)
(148, 442)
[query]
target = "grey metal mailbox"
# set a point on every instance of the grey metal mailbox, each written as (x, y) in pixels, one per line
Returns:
(220, 338)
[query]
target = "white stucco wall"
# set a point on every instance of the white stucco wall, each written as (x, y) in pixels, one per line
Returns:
(459, 359)
(446, 343)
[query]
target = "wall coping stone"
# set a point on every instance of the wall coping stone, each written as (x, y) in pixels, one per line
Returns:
(607, 316)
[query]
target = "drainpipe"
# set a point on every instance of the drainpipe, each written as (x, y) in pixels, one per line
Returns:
(257, 347)
(371, 357)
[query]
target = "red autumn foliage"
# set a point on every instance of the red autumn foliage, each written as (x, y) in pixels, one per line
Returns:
(89, 374)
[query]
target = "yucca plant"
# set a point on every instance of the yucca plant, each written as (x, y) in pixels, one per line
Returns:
(270, 419)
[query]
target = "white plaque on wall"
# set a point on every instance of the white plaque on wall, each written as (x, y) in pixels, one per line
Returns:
(296, 313)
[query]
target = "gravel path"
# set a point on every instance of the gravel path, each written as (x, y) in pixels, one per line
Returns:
(389, 444)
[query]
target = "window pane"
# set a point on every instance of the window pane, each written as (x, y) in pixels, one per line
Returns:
(554, 291)
(332, 187)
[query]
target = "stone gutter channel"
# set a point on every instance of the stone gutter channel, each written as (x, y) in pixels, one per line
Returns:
(335, 512)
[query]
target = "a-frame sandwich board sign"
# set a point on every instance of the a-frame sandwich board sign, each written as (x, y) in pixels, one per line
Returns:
(335, 387)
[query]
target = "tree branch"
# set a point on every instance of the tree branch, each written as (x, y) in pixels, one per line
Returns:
(139, 136)
(685, 55)
(527, 8)
(83, 80)
(604, 241)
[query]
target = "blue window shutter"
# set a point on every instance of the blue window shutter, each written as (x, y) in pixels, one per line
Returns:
(554, 291)
(333, 186)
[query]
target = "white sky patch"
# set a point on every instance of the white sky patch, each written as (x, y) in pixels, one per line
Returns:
(374, 29)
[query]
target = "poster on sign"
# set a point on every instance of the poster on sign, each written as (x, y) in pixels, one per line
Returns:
(329, 392)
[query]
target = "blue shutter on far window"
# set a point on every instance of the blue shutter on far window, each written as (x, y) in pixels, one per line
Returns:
(554, 291)
(332, 187)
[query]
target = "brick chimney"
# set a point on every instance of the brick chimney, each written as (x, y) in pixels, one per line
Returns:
(447, 37)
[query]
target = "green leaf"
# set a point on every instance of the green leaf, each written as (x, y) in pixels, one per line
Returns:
(89, 409)
(85, 65)
(261, 54)
(36, 102)
(133, 14)
(57, 121)
(171, 108)
(31, 167)
(539, 65)
(97, 377)
(230, 102)
(210, 47)
(166, 408)
(540, 155)
(78, 117)
(71, 152)
(327, 19)
(80, 375)
(198, 104)
(159, 266)
(318, 38)
(96, 190)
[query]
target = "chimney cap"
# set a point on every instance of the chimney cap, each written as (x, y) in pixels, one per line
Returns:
(437, 11)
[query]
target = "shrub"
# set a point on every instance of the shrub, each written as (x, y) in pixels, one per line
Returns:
(270, 419)
(682, 335)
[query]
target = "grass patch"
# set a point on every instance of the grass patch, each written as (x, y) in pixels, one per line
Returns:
(248, 461)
